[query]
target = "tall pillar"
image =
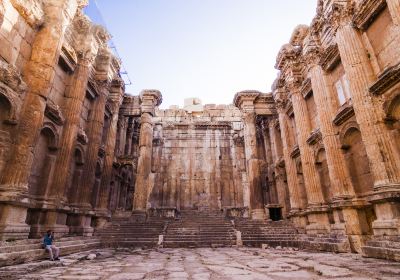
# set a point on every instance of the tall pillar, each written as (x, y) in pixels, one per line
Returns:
(80, 219)
(39, 74)
(381, 150)
(316, 209)
(245, 101)
(338, 172)
(380, 147)
(116, 97)
(279, 178)
(293, 184)
(149, 100)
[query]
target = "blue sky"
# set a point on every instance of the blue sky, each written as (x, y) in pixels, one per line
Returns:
(209, 49)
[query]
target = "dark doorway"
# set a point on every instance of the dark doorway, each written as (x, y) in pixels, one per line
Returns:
(275, 214)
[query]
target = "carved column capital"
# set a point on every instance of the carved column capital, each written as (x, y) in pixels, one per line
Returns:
(150, 99)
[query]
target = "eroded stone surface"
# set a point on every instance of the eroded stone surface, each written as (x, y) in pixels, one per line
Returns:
(208, 263)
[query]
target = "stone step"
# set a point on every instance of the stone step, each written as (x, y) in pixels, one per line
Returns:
(381, 253)
(38, 245)
(18, 257)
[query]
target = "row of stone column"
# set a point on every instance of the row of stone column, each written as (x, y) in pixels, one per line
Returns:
(380, 147)
(39, 75)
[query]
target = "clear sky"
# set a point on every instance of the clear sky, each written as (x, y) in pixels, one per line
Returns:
(209, 49)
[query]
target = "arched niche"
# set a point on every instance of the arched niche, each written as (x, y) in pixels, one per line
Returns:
(97, 184)
(5, 139)
(323, 172)
(357, 160)
(76, 171)
(43, 159)
(392, 109)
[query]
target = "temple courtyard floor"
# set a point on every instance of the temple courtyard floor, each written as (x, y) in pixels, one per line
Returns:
(206, 263)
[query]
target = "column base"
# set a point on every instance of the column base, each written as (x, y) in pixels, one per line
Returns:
(12, 222)
(80, 224)
(39, 230)
(42, 220)
(318, 220)
(12, 232)
(386, 227)
(258, 214)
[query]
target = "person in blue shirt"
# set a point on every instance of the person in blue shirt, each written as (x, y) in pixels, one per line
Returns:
(48, 245)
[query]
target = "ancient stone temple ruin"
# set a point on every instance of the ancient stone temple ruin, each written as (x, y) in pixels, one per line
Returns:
(315, 163)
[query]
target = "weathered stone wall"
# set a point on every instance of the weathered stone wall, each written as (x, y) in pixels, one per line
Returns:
(196, 162)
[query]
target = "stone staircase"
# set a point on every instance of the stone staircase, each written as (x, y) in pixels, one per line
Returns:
(200, 229)
(123, 232)
(258, 232)
(383, 247)
(28, 250)
(284, 234)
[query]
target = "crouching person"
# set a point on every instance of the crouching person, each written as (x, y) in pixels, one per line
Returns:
(54, 252)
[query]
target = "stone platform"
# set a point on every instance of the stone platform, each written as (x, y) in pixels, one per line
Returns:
(205, 264)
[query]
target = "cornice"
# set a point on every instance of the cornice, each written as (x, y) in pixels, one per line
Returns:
(68, 58)
(53, 112)
(246, 95)
(345, 113)
(366, 13)
(330, 58)
(315, 137)
(306, 88)
(386, 80)
(295, 152)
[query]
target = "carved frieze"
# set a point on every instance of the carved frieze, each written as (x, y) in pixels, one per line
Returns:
(31, 11)
(366, 13)
(386, 80)
(53, 112)
(11, 77)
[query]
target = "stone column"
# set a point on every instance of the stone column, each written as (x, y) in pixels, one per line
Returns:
(150, 99)
(394, 9)
(39, 74)
(339, 176)
(291, 172)
(279, 178)
(317, 215)
(245, 101)
(116, 98)
(94, 131)
(381, 150)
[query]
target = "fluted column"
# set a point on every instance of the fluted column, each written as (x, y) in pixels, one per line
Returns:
(303, 127)
(383, 157)
(379, 144)
(39, 73)
(394, 9)
(72, 107)
(144, 162)
(245, 102)
(291, 172)
(342, 186)
(253, 166)
(150, 99)
(279, 178)
(94, 132)
(116, 93)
